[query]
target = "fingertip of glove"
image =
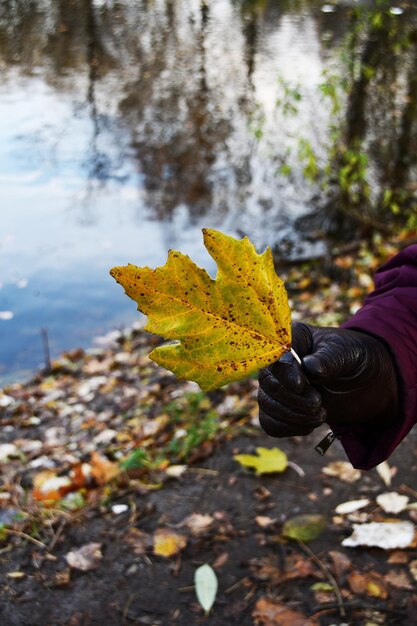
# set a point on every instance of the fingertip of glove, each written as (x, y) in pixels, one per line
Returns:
(314, 367)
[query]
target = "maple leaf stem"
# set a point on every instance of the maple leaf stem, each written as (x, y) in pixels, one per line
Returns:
(295, 355)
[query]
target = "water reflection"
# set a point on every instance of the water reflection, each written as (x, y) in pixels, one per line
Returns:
(126, 127)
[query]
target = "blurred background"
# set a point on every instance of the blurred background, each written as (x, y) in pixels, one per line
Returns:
(127, 126)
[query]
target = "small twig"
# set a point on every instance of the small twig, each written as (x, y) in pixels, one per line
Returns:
(19, 533)
(408, 489)
(236, 585)
(127, 607)
(356, 604)
(299, 470)
(203, 470)
(326, 573)
(188, 588)
(250, 593)
(57, 534)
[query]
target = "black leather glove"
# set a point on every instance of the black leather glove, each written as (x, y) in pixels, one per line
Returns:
(347, 377)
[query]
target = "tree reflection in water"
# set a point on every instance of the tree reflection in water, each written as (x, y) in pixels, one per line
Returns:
(246, 115)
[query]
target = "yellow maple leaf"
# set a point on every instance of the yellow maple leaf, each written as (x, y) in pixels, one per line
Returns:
(265, 461)
(226, 328)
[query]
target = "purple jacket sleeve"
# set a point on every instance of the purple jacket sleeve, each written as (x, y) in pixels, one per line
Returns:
(390, 313)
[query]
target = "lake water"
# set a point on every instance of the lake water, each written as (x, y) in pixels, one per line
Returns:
(126, 127)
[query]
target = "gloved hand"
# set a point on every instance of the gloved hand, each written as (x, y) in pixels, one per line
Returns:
(347, 377)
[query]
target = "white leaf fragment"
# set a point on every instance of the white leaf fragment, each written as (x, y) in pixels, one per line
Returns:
(385, 535)
(86, 558)
(344, 508)
(7, 452)
(384, 472)
(175, 471)
(342, 470)
(392, 502)
(198, 523)
(206, 585)
(6, 400)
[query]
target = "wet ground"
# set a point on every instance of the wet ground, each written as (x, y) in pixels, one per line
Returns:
(108, 451)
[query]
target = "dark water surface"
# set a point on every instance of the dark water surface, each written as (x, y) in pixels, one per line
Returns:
(125, 127)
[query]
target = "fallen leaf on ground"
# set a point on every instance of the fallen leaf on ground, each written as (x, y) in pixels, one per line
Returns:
(342, 470)
(269, 613)
(8, 451)
(140, 541)
(392, 502)
(384, 472)
(413, 569)
(176, 471)
(262, 493)
(86, 558)
(300, 567)
(326, 587)
(352, 505)
(167, 542)
(102, 469)
(16, 575)
(399, 580)
(228, 327)
(266, 461)
(398, 558)
(386, 535)
(198, 523)
(340, 564)
(206, 584)
(48, 486)
(266, 569)
(304, 527)
(371, 584)
(221, 560)
(264, 521)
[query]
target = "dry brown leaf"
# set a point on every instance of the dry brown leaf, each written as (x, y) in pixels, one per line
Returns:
(102, 469)
(268, 613)
(371, 584)
(264, 521)
(140, 541)
(167, 542)
(398, 558)
(300, 567)
(340, 564)
(413, 569)
(86, 558)
(399, 580)
(266, 569)
(221, 560)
